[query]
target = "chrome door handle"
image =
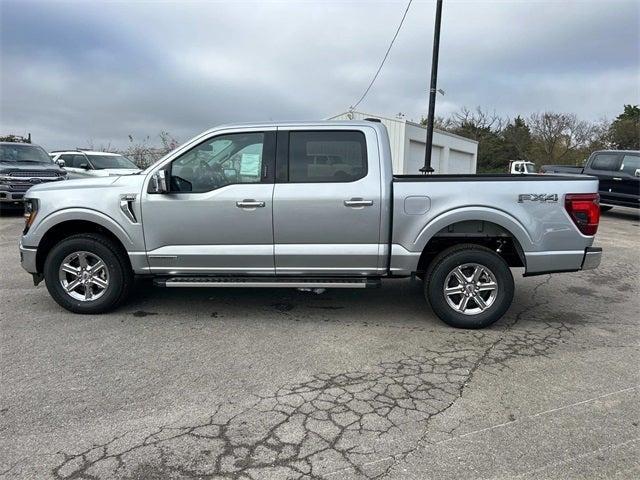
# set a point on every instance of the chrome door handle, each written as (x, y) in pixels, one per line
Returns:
(358, 202)
(249, 203)
(617, 178)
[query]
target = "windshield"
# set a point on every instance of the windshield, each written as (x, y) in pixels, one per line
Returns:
(530, 168)
(20, 152)
(100, 162)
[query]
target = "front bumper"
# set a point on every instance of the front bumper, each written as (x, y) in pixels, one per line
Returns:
(28, 258)
(11, 196)
(592, 257)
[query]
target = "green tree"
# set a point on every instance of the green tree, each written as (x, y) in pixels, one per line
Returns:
(625, 129)
(517, 138)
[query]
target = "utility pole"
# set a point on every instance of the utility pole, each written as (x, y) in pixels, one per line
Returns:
(427, 168)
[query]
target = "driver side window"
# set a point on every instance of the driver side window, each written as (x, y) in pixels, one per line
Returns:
(219, 161)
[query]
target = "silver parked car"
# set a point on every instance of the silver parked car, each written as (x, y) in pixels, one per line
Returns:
(87, 163)
(307, 205)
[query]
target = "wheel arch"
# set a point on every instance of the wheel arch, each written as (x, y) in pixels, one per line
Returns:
(65, 228)
(490, 228)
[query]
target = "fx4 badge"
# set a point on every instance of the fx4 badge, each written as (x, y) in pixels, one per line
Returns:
(538, 197)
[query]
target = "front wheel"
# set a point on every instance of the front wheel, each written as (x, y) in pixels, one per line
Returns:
(469, 286)
(87, 273)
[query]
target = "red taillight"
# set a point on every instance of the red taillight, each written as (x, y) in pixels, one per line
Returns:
(584, 210)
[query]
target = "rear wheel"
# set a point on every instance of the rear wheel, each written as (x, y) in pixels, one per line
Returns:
(469, 286)
(87, 273)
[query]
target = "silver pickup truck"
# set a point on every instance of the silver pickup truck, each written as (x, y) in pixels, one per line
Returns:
(306, 205)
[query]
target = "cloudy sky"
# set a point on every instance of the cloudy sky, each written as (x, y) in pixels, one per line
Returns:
(77, 72)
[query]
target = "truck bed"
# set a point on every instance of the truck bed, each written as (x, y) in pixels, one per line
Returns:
(561, 169)
(530, 208)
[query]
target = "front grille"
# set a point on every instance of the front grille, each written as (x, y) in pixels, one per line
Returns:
(20, 187)
(32, 173)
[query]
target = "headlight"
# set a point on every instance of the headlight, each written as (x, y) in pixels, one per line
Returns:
(30, 212)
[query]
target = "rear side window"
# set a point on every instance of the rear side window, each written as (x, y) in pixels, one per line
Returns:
(605, 161)
(630, 163)
(327, 156)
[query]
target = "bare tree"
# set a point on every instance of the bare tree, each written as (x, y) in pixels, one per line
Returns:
(558, 134)
(477, 120)
(144, 154)
(101, 148)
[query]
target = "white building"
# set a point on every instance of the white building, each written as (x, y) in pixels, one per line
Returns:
(450, 154)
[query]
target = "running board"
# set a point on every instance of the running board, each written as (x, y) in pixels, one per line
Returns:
(267, 282)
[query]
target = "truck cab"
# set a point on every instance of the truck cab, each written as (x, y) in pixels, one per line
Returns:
(521, 167)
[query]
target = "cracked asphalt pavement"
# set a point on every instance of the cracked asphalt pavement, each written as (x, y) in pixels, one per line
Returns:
(254, 384)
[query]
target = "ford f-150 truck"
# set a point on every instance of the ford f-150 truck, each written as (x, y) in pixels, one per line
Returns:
(306, 205)
(618, 172)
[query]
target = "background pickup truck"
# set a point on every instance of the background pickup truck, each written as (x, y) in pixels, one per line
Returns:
(306, 205)
(618, 172)
(23, 165)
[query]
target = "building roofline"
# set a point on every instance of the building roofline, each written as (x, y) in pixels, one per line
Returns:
(405, 121)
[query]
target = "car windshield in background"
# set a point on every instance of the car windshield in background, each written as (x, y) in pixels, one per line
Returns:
(101, 162)
(530, 168)
(23, 153)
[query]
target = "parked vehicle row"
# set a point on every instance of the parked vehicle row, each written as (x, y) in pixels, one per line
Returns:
(258, 205)
(23, 165)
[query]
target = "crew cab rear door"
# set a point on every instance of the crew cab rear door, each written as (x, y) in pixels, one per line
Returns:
(326, 205)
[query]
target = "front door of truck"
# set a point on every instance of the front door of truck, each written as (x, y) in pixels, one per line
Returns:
(217, 217)
(326, 208)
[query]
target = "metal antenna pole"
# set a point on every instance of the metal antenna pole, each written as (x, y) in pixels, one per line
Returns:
(427, 168)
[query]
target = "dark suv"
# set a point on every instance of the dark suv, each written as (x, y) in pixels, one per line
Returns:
(23, 165)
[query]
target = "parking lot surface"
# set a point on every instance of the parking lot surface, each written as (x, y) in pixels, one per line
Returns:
(348, 384)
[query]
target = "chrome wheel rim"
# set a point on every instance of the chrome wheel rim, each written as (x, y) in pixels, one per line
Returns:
(470, 288)
(84, 276)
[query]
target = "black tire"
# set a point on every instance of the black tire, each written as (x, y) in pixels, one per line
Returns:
(457, 256)
(119, 273)
(605, 208)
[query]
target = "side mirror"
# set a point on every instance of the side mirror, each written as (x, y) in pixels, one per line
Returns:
(159, 182)
(637, 174)
(85, 166)
(60, 163)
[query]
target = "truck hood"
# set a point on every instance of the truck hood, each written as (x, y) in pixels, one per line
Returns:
(90, 184)
(30, 167)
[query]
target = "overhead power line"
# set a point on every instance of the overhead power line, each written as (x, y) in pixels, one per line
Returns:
(385, 57)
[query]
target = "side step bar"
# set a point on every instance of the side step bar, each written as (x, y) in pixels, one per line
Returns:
(266, 282)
